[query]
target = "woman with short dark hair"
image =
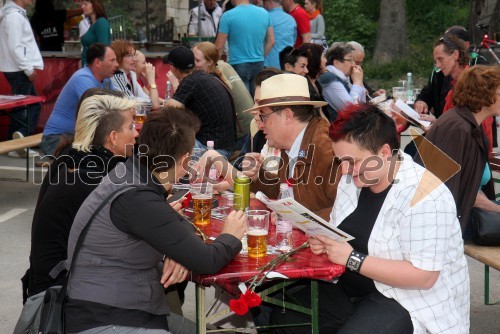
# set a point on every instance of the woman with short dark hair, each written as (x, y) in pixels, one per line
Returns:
(116, 285)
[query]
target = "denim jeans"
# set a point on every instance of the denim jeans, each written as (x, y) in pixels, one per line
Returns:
(19, 121)
(50, 143)
(248, 72)
(338, 313)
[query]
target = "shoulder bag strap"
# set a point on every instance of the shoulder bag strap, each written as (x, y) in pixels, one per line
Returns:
(79, 242)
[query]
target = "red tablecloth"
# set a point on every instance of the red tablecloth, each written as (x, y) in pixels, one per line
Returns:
(52, 79)
(303, 264)
(30, 99)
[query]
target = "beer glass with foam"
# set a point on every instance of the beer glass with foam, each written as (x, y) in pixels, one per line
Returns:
(258, 228)
(202, 203)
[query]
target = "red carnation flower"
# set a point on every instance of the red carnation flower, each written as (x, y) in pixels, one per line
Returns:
(238, 306)
(251, 298)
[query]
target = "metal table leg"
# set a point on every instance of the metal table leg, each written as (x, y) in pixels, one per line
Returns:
(201, 326)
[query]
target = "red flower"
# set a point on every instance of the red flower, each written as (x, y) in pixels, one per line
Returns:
(238, 306)
(251, 298)
(290, 182)
(185, 203)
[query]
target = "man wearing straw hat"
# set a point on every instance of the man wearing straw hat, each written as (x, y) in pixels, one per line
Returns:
(291, 122)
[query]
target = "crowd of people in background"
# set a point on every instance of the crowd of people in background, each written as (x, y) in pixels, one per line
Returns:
(268, 88)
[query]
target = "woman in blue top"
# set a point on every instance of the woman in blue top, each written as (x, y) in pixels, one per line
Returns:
(99, 31)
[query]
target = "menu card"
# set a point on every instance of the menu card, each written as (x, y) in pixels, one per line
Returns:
(410, 115)
(303, 219)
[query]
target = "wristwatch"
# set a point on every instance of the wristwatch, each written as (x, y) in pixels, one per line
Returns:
(153, 86)
(355, 261)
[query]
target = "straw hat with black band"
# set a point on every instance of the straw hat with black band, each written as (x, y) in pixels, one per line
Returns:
(285, 90)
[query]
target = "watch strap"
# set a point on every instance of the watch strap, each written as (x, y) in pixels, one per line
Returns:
(355, 257)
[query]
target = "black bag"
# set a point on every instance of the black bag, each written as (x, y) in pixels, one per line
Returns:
(485, 227)
(52, 320)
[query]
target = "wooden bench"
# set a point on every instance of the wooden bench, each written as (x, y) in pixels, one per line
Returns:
(490, 256)
(19, 144)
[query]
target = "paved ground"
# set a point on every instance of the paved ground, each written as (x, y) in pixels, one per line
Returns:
(17, 202)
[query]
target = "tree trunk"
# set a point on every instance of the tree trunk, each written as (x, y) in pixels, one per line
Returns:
(392, 39)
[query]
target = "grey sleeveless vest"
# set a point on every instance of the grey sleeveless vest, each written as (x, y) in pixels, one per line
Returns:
(327, 78)
(112, 267)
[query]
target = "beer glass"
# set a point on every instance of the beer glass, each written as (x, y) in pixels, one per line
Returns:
(140, 114)
(202, 203)
(258, 228)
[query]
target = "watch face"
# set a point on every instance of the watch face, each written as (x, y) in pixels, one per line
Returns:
(353, 263)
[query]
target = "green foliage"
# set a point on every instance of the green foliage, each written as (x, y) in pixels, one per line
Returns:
(345, 21)
(426, 21)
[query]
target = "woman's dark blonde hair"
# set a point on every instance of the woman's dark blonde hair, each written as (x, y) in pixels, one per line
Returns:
(165, 137)
(210, 52)
(452, 43)
(477, 87)
(122, 48)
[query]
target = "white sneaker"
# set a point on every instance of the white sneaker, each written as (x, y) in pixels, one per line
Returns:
(15, 154)
(22, 152)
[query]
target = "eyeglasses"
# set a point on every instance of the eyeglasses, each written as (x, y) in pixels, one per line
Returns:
(264, 117)
(449, 43)
(130, 55)
(349, 60)
(359, 63)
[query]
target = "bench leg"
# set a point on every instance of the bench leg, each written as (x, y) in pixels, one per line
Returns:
(487, 287)
(27, 165)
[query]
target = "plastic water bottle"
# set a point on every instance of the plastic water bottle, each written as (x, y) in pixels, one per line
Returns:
(284, 230)
(212, 173)
(168, 91)
(409, 88)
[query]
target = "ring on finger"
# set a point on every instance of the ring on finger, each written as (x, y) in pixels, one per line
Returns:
(181, 271)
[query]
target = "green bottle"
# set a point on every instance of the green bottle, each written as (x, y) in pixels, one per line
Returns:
(242, 187)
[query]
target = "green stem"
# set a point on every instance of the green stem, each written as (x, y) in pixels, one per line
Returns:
(260, 277)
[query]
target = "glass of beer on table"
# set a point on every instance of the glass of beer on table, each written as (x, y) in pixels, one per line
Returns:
(258, 228)
(202, 202)
(140, 114)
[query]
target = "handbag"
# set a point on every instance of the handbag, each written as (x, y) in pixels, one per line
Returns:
(485, 227)
(44, 313)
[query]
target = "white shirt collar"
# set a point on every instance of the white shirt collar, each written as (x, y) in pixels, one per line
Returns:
(294, 152)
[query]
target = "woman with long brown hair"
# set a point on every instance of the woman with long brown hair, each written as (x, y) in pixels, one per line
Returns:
(99, 31)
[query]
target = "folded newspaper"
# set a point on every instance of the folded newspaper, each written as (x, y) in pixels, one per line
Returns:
(303, 219)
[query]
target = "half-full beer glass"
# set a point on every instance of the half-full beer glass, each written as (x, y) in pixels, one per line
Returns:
(202, 202)
(140, 114)
(258, 228)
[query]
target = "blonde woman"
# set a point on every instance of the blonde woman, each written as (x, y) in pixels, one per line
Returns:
(207, 58)
(105, 135)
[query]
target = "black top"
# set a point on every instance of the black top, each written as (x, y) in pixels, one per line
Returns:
(49, 30)
(61, 195)
(207, 98)
(360, 224)
(143, 213)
